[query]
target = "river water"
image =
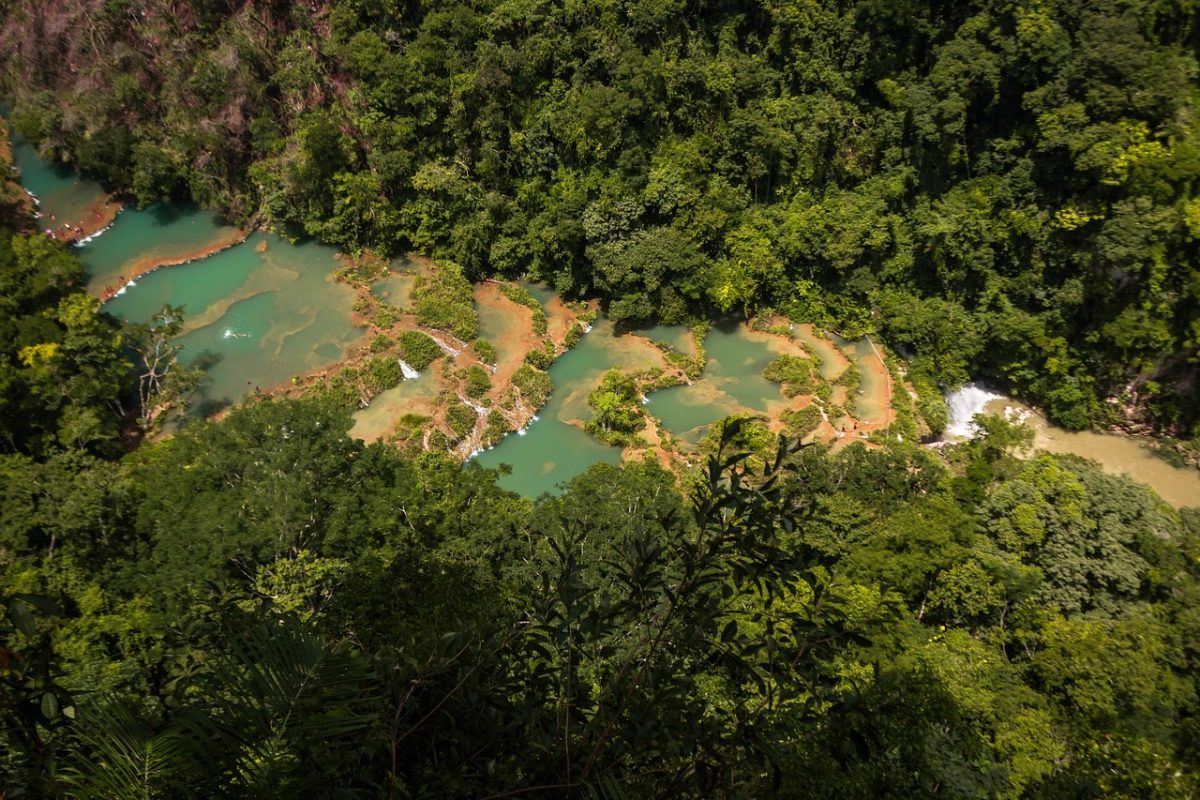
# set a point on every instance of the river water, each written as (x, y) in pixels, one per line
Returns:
(554, 448)
(163, 232)
(62, 193)
(256, 314)
(732, 383)
(1116, 454)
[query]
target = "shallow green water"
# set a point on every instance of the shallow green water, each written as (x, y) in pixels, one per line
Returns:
(732, 382)
(396, 288)
(551, 451)
(871, 401)
(160, 232)
(378, 420)
(543, 293)
(493, 323)
(832, 361)
(253, 320)
(678, 337)
(61, 192)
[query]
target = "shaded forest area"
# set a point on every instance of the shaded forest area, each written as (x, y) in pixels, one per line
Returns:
(1003, 189)
(263, 607)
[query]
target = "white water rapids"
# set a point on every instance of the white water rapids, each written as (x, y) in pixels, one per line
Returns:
(963, 404)
(408, 372)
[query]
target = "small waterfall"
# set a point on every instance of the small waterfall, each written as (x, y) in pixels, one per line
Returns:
(963, 404)
(450, 350)
(480, 410)
(409, 373)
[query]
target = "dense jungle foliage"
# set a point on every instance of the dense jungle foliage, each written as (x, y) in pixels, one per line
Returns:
(263, 607)
(1003, 188)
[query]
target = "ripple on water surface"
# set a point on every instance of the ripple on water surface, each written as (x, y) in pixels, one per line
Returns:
(263, 317)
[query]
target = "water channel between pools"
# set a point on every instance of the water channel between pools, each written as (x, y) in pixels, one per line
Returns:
(265, 310)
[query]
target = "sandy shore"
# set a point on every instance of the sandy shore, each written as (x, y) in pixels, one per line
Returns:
(99, 216)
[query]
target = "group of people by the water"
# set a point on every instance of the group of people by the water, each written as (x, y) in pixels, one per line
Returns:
(110, 291)
(65, 232)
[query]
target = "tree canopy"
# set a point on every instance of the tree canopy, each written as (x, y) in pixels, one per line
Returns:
(1005, 189)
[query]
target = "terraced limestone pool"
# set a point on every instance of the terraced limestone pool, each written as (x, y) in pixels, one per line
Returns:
(261, 312)
(416, 395)
(871, 403)
(142, 238)
(553, 448)
(732, 382)
(256, 314)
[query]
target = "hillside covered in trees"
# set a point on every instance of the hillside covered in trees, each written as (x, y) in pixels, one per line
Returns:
(263, 606)
(1002, 189)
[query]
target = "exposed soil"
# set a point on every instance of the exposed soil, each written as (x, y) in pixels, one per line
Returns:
(517, 338)
(559, 319)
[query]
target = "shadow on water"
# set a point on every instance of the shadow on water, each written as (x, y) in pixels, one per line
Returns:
(202, 404)
(170, 213)
(207, 408)
(206, 360)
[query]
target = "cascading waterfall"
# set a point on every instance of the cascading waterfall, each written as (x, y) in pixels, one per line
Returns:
(963, 404)
(409, 373)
